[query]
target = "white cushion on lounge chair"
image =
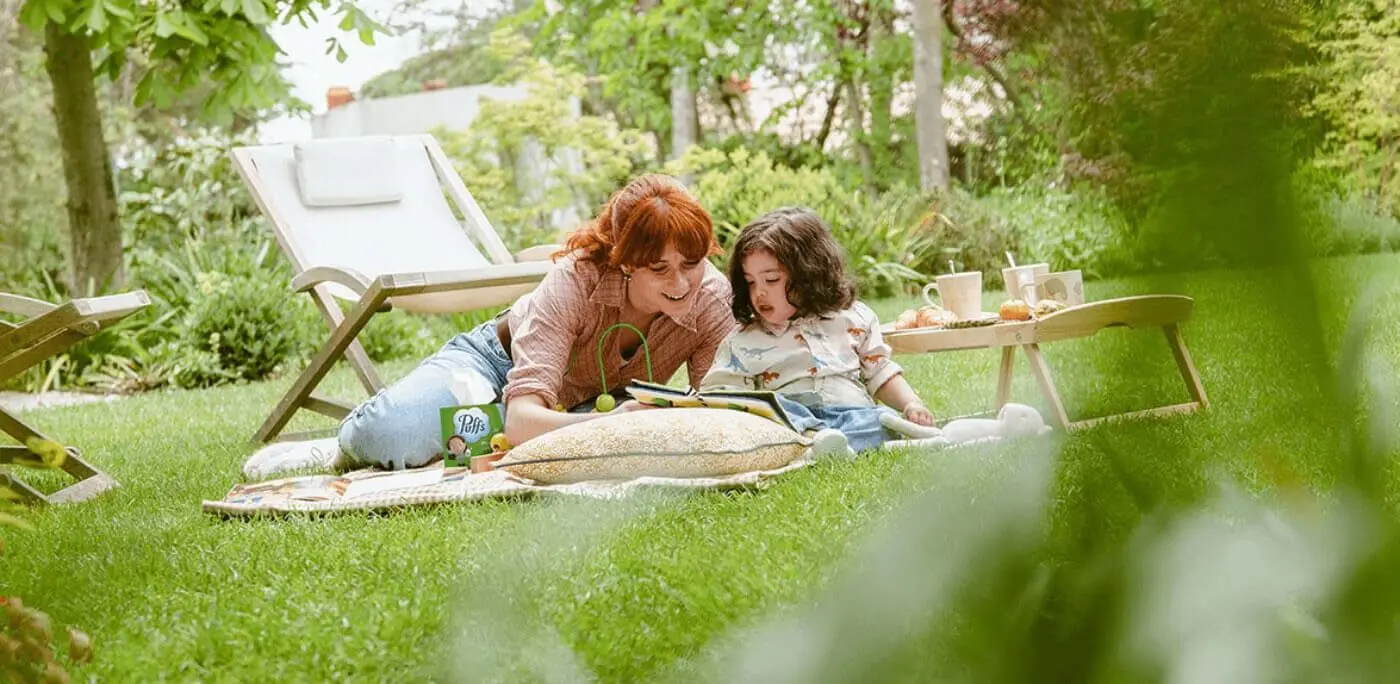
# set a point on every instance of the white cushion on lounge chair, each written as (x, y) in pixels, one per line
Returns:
(348, 172)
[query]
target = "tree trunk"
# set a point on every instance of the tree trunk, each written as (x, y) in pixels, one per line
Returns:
(685, 125)
(858, 138)
(928, 95)
(95, 234)
(881, 84)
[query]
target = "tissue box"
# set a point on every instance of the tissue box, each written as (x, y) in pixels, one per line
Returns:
(467, 431)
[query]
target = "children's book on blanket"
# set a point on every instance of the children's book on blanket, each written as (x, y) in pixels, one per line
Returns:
(756, 402)
(366, 490)
(339, 488)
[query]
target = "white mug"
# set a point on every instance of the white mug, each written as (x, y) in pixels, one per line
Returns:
(1066, 286)
(961, 294)
(1020, 281)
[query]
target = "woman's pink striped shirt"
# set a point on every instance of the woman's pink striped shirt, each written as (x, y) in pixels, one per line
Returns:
(555, 330)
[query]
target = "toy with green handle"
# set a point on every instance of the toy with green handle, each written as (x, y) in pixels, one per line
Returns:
(606, 402)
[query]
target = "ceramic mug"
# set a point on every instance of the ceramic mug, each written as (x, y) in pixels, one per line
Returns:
(1020, 281)
(1066, 286)
(961, 293)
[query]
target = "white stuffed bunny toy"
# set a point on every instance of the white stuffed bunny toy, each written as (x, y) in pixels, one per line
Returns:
(1012, 421)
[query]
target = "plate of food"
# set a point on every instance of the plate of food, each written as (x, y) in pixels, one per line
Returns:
(978, 322)
(931, 317)
(923, 318)
(1017, 310)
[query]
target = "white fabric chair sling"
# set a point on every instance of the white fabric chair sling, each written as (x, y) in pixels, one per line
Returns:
(366, 220)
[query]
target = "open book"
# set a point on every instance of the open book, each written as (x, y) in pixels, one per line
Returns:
(340, 488)
(757, 402)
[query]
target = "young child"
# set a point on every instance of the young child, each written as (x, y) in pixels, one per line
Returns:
(803, 335)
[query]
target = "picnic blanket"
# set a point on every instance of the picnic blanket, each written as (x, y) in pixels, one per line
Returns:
(373, 489)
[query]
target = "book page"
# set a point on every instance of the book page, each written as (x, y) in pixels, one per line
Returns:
(764, 404)
(662, 395)
(761, 403)
(387, 482)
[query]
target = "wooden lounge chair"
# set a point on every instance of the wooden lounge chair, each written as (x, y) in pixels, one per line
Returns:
(367, 220)
(48, 330)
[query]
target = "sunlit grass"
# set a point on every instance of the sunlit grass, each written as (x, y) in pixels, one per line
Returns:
(653, 587)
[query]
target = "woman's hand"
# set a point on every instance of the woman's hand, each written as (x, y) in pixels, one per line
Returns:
(528, 417)
(918, 413)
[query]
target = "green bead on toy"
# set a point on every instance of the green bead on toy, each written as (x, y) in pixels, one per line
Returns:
(606, 402)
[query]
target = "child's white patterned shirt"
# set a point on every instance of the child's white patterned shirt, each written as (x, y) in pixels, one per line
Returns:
(840, 357)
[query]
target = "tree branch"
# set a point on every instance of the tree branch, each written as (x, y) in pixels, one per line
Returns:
(831, 102)
(1012, 94)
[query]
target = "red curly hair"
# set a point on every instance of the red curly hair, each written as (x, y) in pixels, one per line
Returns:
(640, 220)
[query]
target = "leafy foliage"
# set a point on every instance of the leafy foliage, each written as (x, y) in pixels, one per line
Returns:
(31, 179)
(27, 639)
(904, 237)
(881, 240)
(1360, 86)
(465, 59)
(246, 324)
(537, 165)
(736, 187)
(224, 42)
(399, 335)
(1096, 146)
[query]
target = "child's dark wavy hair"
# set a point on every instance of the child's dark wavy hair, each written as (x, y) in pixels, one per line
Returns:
(803, 244)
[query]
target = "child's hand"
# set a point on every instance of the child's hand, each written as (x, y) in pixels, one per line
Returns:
(918, 413)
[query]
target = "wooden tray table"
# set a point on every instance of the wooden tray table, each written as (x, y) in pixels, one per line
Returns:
(1167, 312)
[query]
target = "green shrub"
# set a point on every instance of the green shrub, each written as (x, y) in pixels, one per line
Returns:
(1337, 225)
(739, 186)
(1069, 230)
(170, 363)
(883, 239)
(246, 323)
(969, 234)
(888, 242)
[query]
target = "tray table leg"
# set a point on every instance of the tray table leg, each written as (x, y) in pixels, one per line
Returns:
(1008, 363)
(1184, 364)
(1058, 416)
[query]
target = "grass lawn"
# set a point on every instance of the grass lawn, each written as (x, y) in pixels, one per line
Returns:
(666, 587)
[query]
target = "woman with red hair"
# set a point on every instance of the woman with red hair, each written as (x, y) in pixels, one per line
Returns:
(642, 262)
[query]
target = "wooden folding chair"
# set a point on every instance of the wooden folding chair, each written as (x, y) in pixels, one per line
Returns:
(367, 220)
(49, 330)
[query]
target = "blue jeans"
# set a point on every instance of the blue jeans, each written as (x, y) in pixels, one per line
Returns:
(860, 424)
(400, 427)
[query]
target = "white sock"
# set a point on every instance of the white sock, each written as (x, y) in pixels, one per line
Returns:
(907, 427)
(829, 443)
